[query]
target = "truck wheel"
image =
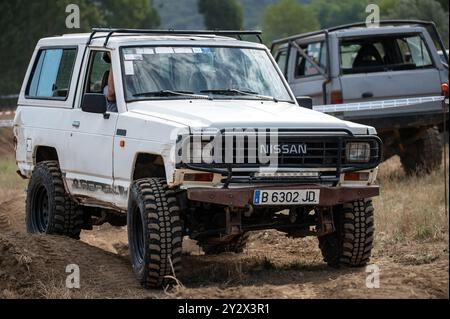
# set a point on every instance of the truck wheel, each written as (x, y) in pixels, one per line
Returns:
(236, 245)
(49, 210)
(351, 243)
(425, 155)
(154, 232)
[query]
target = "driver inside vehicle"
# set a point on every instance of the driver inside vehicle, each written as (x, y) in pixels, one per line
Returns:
(109, 90)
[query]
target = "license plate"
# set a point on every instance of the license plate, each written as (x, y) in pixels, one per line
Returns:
(287, 197)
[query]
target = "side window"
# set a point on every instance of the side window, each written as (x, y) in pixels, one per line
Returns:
(98, 73)
(414, 51)
(52, 73)
(281, 59)
(317, 52)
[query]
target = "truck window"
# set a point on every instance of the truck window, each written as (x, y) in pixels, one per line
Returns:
(281, 58)
(51, 74)
(414, 51)
(317, 52)
(383, 54)
(98, 75)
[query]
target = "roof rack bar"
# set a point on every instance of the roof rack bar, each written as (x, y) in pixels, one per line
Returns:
(351, 25)
(111, 32)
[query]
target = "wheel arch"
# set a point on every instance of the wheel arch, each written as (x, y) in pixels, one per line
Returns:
(147, 165)
(45, 153)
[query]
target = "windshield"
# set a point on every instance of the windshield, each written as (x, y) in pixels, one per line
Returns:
(200, 72)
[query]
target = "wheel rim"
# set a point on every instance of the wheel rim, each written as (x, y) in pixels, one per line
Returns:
(138, 241)
(41, 209)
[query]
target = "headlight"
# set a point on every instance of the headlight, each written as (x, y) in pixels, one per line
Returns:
(357, 152)
(202, 152)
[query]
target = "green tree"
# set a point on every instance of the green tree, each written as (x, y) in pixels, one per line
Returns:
(221, 14)
(130, 13)
(333, 13)
(287, 17)
(429, 10)
(444, 4)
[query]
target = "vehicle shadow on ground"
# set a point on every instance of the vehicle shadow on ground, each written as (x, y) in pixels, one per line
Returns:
(235, 270)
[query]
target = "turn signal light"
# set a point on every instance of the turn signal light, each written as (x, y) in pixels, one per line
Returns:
(356, 177)
(203, 177)
(336, 97)
(445, 89)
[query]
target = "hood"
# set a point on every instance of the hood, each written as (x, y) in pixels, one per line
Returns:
(242, 114)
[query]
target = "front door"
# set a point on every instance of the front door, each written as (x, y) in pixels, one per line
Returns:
(91, 140)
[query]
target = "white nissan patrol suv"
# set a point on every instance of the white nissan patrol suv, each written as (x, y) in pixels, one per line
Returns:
(206, 140)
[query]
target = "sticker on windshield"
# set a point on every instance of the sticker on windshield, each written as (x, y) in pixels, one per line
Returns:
(182, 50)
(201, 50)
(129, 68)
(145, 51)
(163, 50)
(133, 57)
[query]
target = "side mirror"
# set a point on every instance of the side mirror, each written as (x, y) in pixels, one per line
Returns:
(94, 103)
(305, 101)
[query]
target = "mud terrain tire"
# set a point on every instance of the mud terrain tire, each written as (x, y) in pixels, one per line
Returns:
(351, 244)
(49, 210)
(236, 245)
(154, 233)
(425, 155)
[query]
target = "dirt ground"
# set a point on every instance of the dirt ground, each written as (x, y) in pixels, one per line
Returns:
(272, 266)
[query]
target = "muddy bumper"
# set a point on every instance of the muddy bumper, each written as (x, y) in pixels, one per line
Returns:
(242, 197)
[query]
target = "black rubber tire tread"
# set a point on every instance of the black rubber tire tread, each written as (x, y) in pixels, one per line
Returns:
(236, 245)
(163, 234)
(351, 244)
(425, 155)
(65, 217)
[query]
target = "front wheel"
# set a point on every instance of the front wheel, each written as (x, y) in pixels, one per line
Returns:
(154, 232)
(351, 243)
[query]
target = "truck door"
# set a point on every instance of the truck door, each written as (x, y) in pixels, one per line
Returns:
(91, 140)
(387, 67)
(304, 77)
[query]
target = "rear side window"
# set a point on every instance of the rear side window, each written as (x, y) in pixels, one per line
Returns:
(384, 54)
(317, 52)
(414, 51)
(51, 74)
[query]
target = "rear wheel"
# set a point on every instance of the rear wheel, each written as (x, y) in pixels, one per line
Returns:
(154, 233)
(49, 210)
(425, 155)
(351, 243)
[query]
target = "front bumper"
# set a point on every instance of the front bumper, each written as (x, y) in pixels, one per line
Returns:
(243, 197)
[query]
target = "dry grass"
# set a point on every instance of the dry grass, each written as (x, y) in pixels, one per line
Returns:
(410, 207)
(10, 182)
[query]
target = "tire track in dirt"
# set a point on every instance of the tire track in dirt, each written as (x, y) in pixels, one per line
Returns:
(12, 214)
(103, 274)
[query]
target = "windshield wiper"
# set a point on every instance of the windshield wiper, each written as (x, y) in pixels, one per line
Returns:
(239, 92)
(164, 93)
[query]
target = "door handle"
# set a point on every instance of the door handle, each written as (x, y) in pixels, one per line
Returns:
(76, 124)
(367, 95)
